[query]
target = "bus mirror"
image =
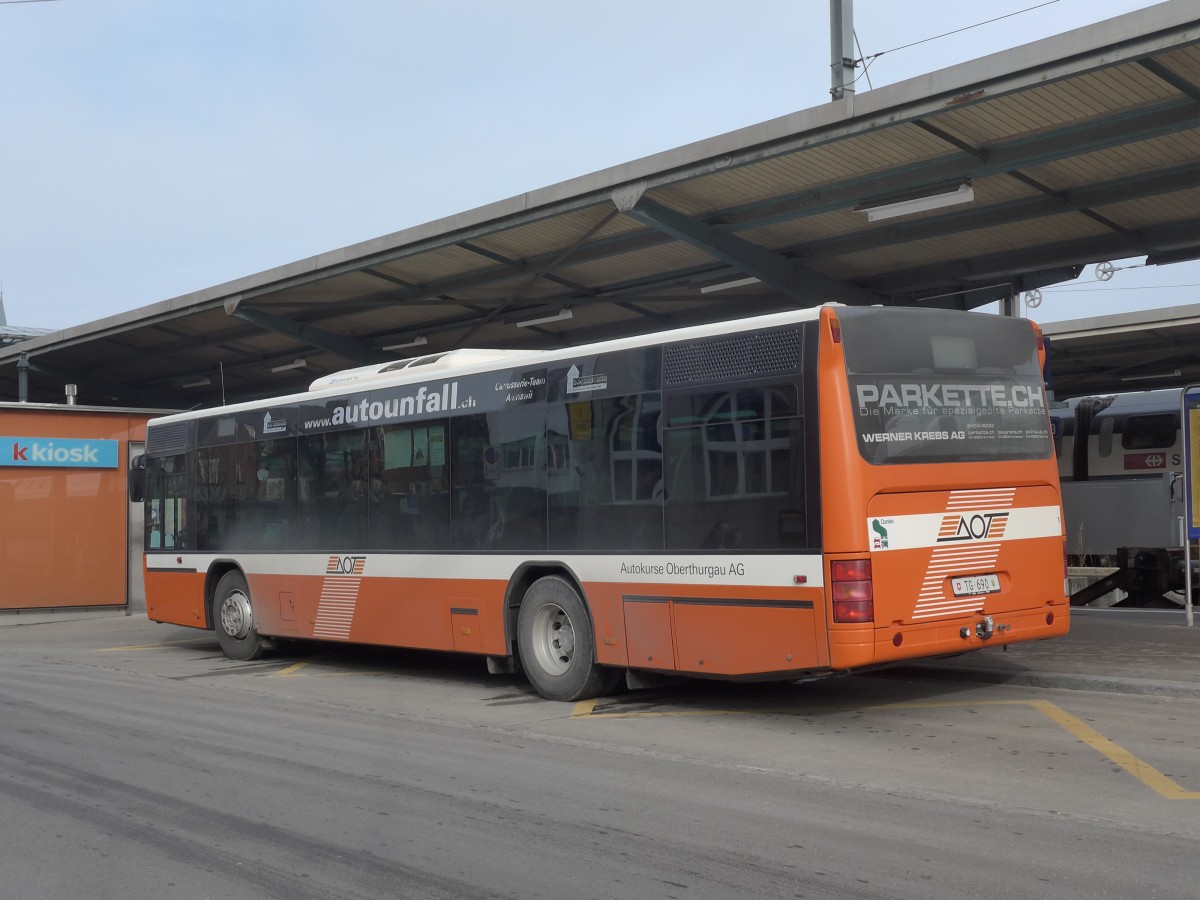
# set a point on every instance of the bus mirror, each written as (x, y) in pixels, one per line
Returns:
(137, 479)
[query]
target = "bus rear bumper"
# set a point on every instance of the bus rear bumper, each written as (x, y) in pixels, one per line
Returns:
(851, 648)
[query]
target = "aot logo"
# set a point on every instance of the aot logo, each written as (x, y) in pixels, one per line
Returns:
(346, 565)
(973, 527)
(72, 453)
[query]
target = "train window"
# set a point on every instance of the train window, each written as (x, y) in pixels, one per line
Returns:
(1149, 432)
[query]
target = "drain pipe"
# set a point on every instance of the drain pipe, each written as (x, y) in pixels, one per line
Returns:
(23, 378)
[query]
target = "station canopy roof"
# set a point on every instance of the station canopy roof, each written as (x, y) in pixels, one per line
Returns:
(1077, 149)
(1126, 352)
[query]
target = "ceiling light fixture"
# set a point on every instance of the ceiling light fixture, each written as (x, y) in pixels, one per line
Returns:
(726, 285)
(418, 341)
(889, 208)
(294, 364)
(559, 316)
(1174, 373)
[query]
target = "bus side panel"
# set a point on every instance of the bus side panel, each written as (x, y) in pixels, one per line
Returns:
(743, 640)
(386, 609)
(615, 633)
(742, 632)
(176, 597)
(438, 614)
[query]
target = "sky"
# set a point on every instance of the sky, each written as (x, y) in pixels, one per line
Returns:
(152, 148)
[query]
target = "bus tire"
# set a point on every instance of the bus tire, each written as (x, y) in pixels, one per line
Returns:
(557, 643)
(233, 618)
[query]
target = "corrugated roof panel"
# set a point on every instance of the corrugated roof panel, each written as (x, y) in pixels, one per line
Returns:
(1127, 159)
(1177, 206)
(798, 232)
(1054, 105)
(807, 169)
(431, 265)
(643, 263)
(522, 290)
(547, 236)
(965, 245)
(795, 233)
(324, 290)
(1184, 62)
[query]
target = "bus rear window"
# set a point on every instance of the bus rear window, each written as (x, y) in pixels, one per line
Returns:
(941, 386)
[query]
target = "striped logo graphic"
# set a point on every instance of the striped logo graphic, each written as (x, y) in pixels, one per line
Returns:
(948, 562)
(973, 528)
(339, 594)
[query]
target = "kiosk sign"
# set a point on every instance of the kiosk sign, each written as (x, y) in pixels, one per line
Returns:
(43, 452)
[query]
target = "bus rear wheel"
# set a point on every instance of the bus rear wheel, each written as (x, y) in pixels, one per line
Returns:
(557, 643)
(233, 619)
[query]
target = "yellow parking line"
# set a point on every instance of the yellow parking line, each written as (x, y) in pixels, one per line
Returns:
(292, 671)
(1139, 769)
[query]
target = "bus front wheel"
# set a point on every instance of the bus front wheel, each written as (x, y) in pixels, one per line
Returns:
(233, 618)
(557, 644)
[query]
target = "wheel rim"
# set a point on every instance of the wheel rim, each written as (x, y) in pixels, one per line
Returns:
(236, 617)
(553, 639)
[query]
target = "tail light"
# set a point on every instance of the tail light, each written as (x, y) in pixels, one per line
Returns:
(853, 597)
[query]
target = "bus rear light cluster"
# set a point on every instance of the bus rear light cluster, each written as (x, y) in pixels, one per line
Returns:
(853, 595)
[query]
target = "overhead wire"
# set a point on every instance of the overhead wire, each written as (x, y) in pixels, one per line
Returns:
(866, 65)
(1140, 287)
(867, 59)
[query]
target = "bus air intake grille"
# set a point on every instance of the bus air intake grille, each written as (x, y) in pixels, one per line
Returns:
(165, 440)
(737, 356)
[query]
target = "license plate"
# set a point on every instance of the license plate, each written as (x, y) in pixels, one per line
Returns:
(970, 585)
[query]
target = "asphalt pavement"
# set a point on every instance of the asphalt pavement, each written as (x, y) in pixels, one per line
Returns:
(1127, 651)
(1136, 651)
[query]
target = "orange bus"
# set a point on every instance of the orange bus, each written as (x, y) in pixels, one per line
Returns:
(816, 491)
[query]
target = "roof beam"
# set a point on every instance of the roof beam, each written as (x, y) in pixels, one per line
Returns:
(92, 384)
(1009, 264)
(1121, 190)
(1112, 131)
(336, 344)
(802, 284)
(969, 163)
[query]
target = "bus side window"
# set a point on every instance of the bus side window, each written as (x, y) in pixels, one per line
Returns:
(734, 465)
(605, 485)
